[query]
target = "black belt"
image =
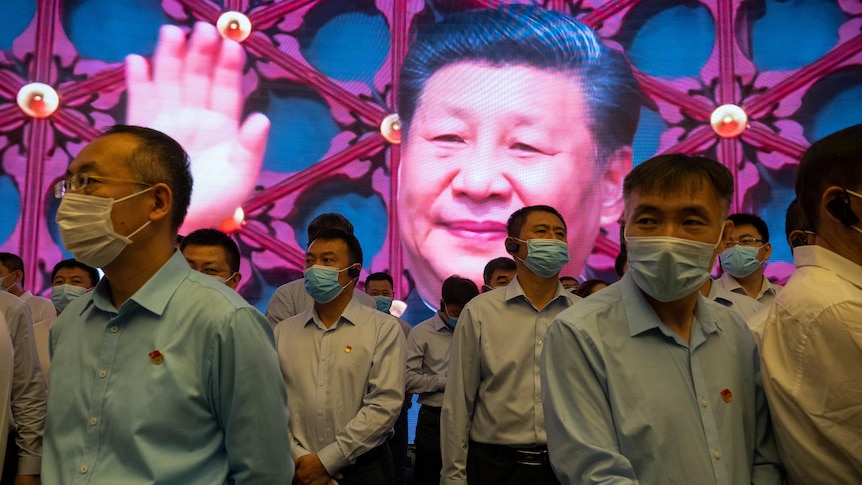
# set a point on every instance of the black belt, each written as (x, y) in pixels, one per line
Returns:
(532, 456)
(377, 453)
(427, 408)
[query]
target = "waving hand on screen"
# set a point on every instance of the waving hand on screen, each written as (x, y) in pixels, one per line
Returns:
(194, 94)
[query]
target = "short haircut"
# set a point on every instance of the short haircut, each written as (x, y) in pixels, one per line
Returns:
(521, 35)
(834, 160)
(586, 288)
(72, 264)
(519, 218)
(160, 159)
(671, 173)
(567, 278)
(496, 264)
(794, 219)
(329, 220)
(214, 237)
(380, 276)
(354, 250)
(13, 263)
(752, 220)
(458, 291)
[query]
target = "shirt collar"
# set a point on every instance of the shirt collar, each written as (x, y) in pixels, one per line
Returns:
(515, 290)
(732, 284)
(156, 292)
(814, 255)
(439, 324)
(641, 316)
(351, 315)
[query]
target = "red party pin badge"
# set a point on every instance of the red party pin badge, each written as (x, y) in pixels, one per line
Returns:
(157, 357)
(347, 348)
(726, 395)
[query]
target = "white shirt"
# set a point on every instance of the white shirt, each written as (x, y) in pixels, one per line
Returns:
(765, 295)
(41, 309)
(812, 368)
(346, 382)
(744, 305)
(428, 348)
(291, 299)
(494, 394)
(6, 365)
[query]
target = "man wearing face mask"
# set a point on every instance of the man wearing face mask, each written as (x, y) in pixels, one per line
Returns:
(213, 253)
(812, 338)
(427, 370)
(71, 279)
(744, 258)
(157, 357)
(498, 272)
(492, 426)
(344, 363)
(647, 380)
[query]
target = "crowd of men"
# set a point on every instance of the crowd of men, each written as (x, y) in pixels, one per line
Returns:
(160, 372)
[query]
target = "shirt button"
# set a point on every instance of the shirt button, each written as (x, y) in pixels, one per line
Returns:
(84, 469)
(717, 455)
(103, 373)
(704, 402)
(115, 329)
(93, 421)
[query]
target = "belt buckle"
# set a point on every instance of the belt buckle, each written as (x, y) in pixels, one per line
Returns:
(531, 458)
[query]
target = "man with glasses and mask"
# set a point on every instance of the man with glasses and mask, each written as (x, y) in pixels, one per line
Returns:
(158, 357)
(648, 381)
(492, 422)
(213, 253)
(744, 257)
(343, 366)
(812, 338)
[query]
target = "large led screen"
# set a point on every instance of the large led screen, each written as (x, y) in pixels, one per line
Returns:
(495, 112)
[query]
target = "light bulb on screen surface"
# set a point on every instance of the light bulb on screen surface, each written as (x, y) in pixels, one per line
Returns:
(38, 100)
(234, 26)
(728, 121)
(390, 128)
(232, 224)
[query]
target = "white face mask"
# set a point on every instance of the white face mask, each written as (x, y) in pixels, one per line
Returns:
(62, 295)
(87, 230)
(669, 268)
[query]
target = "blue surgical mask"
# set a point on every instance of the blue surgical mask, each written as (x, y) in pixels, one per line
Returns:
(383, 303)
(545, 257)
(321, 282)
(450, 320)
(62, 295)
(740, 261)
(669, 268)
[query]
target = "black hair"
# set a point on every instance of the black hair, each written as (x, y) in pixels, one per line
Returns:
(354, 250)
(72, 264)
(587, 287)
(620, 261)
(501, 263)
(329, 220)
(380, 276)
(794, 219)
(568, 278)
(13, 263)
(521, 35)
(458, 291)
(751, 220)
(833, 160)
(519, 218)
(160, 159)
(672, 172)
(214, 237)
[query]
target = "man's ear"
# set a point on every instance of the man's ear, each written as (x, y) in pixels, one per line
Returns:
(619, 164)
(163, 202)
(767, 251)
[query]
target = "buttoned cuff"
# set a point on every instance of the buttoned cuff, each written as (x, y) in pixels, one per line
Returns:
(441, 382)
(29, 465)
(332, 458)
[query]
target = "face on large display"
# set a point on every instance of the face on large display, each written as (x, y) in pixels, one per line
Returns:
(486, 141)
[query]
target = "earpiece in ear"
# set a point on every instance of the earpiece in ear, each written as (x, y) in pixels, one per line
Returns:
(353, 272)
(511, 245)
(840, 208)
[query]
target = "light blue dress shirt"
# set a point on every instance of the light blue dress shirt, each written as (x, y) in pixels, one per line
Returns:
(627, 400)
(208, 408)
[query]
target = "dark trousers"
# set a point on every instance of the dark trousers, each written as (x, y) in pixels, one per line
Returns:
(428, 459)
(372, 468)
(10, 467)
(502, 465)
(398, 444)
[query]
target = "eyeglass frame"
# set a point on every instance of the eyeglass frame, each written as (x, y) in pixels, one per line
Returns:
(79, 181)
(747, 242)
